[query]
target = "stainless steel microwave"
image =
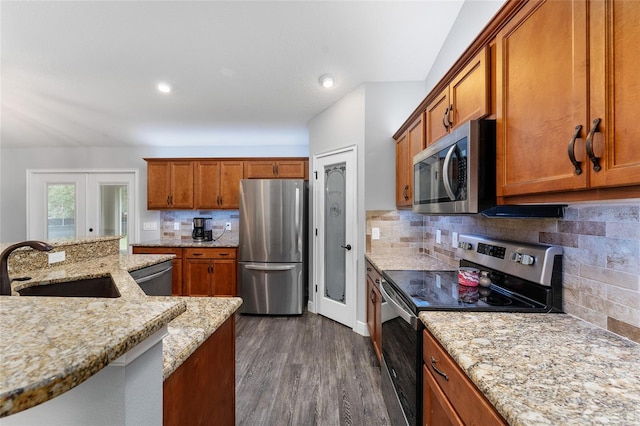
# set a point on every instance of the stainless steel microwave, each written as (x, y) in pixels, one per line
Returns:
(457, 173)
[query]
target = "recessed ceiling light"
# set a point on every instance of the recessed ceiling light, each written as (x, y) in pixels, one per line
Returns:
(164, 87)
(327, 81)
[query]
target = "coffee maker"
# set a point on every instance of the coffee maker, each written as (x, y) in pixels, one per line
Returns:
(200, 229)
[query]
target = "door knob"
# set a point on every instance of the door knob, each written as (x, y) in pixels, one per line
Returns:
(348, 247)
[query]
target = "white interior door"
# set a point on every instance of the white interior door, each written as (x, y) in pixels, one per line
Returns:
(69, 204)
(336, 243)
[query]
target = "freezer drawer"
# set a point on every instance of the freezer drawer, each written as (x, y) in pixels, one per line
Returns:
(271, 288)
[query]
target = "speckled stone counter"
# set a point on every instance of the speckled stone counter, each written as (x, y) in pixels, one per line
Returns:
(229, 239)
(408, 262)
(544, 369)
(50, 345)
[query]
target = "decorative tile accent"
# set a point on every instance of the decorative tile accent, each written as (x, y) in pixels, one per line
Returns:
(218, 220)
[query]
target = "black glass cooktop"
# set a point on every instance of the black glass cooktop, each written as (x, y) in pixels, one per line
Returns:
(439, 290)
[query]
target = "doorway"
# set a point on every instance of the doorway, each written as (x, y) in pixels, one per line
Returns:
(335, 243)
(80, 204)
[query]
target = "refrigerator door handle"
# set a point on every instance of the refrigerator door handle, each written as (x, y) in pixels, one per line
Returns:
(270, 268)
(297, 220)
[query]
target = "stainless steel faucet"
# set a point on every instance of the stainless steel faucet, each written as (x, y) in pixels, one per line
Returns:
(5, 282)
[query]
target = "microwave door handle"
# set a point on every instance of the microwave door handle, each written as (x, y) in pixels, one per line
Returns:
(445, 173)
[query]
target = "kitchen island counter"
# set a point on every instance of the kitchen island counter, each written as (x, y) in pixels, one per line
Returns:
(50, 344)
(540, 369)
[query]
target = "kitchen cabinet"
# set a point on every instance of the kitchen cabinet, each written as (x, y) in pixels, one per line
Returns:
(169, 184)
(202, 390)
(276, 168)
(176, 263)
(217, 184)
(467, 97)
(410, 143)
(449, 397)
(573, 85)
(210, 272)
(374, 308)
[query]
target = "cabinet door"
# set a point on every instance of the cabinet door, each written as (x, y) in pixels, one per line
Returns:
(402, 180)
(290, 169)
(207, 184)
(436, 408)
(259, 169)
(436, 117)
(541, 97)
(231, 172)
(416, 144)
(197, 277)
(176, 277)
(158, 184)
(182, 184)
(224, 278)
(615, 92)
(371, 310)
(469, 90)
(378, 322)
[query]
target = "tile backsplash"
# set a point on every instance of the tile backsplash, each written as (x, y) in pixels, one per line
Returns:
(601, 243)
(219, 218)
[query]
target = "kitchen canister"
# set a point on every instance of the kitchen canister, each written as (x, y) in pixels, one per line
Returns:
(468, 276)
(484, 280)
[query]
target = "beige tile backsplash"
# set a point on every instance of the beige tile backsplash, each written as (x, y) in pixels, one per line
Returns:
(185, 218)
(601, 265)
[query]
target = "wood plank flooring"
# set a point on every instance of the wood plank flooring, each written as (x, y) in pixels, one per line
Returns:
(305, 370)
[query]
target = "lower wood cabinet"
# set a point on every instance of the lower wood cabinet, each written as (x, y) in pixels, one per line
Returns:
(176, 263)
(202, 390)
(199, 271)
(448, 396)
(374, 308)
(210, 272)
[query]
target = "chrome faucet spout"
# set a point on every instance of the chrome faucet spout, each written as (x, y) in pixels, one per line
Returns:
(5, 282)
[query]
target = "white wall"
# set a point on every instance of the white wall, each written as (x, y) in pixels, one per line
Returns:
(367, 117)
(473, 17)
(14, 163)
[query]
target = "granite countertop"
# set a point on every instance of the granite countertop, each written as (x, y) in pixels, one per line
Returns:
(70, 339)
(417, 262)
(229, 239)
(544, 369)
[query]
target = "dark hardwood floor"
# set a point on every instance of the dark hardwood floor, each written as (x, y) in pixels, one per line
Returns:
(305, 370)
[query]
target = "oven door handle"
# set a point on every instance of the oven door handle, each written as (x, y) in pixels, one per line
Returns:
(403, 313)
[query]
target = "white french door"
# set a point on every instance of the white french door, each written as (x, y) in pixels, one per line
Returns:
(335, 249)
(70, 204)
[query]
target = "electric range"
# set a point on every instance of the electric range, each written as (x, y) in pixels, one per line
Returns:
(523, 278)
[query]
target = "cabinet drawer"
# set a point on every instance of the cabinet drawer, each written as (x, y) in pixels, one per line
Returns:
(373, 274)
(466, 399)
(210, 253)
(158, 250)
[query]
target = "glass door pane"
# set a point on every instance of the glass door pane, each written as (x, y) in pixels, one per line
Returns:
(61, 210)
(113, 212)
(335, 230)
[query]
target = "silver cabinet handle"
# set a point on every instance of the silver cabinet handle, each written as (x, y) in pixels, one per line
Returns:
(150, 277)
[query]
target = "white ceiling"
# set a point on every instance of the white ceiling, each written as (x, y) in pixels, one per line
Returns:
(84, 73)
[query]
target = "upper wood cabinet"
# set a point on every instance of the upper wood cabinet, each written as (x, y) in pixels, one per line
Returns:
(409, 144)
(467, 97)
(569, 92)
(217, 184)
(169, 184)
(275, 168)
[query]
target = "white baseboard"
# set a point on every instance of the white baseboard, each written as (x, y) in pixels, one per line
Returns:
(361, 328)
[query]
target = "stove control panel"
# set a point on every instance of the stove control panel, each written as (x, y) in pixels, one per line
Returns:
(533, 262)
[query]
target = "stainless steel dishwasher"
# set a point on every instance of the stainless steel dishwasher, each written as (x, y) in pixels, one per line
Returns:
(154, 280)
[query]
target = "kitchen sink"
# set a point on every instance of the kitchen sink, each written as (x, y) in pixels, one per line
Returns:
(90, 287)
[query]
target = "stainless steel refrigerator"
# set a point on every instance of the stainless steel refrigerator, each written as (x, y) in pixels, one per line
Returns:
(272, 251)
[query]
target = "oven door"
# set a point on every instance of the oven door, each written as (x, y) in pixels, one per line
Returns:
(401, 362)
